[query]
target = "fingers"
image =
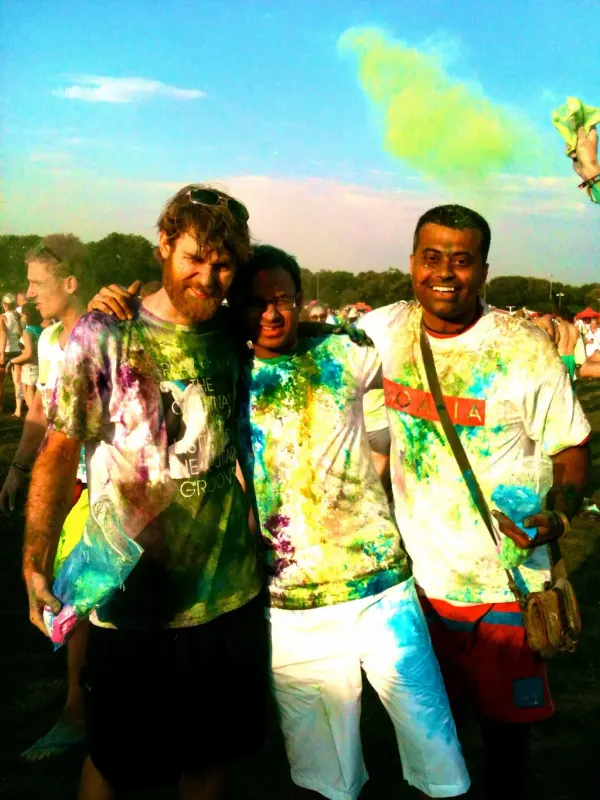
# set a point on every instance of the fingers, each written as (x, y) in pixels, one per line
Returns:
(110, 305)
(539, 521)
(37, 619)
(40, 596)
(508, 528)
(545, 527)
(115, 300)
(8, 497)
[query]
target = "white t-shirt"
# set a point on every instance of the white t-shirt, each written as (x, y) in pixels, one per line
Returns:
(12, 332)
(51, 362)
(508, 392)
(592, 342)
(326, 523)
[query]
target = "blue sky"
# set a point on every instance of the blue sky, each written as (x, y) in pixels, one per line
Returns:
(107, 107)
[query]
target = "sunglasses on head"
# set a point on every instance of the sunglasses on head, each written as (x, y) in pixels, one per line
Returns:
(206, 197)
(43, 248)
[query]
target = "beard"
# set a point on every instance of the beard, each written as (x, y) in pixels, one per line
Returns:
(194, 308)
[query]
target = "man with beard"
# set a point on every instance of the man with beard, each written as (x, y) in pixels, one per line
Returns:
(508, 394)
(174, 682)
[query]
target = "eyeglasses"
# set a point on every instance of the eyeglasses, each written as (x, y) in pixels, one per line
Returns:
(259, 304)
(206, 197)
(318, 317)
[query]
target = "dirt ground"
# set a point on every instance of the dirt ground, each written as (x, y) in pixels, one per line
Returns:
(32, 688)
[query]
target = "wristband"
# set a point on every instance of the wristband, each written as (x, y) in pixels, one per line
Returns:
(21, 468)
(558, 515)
(590, 182)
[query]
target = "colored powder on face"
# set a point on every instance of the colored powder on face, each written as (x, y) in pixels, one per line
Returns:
(441, 127)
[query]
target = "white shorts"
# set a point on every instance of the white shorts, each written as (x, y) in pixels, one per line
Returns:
(316, 663)
(30, 374)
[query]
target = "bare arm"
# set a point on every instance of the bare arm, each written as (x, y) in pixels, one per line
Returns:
(585, 158)
(27, 351)
(33, 434)
(2, 339)
(49, 502)
(571, 475)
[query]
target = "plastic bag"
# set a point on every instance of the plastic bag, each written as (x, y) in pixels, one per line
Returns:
(519, 495)
(96, 567)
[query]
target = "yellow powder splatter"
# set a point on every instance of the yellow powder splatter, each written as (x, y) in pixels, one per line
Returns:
(441, 127)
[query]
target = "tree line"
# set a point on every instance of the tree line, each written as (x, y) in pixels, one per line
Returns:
(123, 257)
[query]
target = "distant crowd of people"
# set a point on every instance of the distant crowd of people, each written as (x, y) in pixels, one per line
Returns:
(20, 327)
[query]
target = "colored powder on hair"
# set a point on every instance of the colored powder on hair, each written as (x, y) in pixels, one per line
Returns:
(443, 128)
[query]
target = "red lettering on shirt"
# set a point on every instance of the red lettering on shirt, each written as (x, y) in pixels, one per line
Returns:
(417, 403)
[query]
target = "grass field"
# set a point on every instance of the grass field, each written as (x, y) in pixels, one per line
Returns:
(32, 687)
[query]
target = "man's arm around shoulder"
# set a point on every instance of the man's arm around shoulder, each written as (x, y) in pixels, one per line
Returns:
(50, 500)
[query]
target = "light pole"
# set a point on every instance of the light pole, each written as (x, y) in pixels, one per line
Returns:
(560, 296)
(550, 277)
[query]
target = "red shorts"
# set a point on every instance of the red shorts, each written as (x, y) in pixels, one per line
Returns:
(486, 660)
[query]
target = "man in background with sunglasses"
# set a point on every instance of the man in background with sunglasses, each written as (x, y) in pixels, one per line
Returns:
(174, 683)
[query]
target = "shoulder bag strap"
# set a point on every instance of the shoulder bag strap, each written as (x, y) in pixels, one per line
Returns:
(458, 450)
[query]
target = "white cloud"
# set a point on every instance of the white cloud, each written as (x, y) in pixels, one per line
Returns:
(98, 89)
(330, 224)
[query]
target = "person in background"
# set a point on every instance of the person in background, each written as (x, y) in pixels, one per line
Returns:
(317, 313)
(592, 338)
(353, 315)
(10, 333)
(591, 367)
(568, 337)
(546, 323)
(31, 320)
(21, 300)
(56, 287)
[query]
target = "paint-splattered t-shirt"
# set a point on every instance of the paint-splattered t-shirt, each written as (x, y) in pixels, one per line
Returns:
(155, 404)
(508, 393)
(329, 536)
(51, 360)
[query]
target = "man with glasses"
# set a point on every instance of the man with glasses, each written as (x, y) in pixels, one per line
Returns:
(317, 313)
(341, 592)
(174, 681)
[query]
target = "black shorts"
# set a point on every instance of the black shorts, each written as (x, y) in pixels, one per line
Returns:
(164, 702)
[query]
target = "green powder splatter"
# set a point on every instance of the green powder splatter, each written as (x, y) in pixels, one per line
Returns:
(442, 128)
